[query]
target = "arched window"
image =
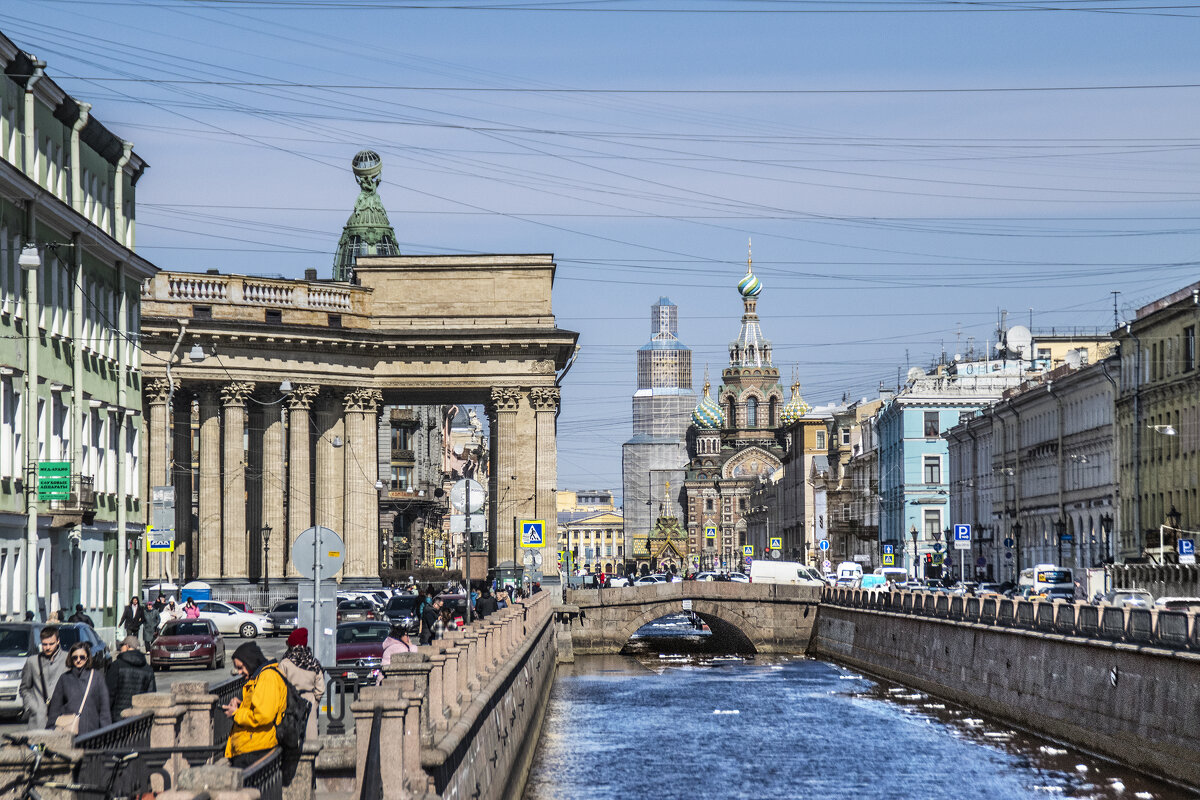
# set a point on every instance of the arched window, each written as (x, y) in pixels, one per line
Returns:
(732, 416)
(752, 413)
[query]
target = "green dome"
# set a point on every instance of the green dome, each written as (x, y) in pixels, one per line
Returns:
(795, 408)
(707, 415)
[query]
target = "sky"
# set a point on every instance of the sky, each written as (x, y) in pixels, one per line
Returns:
(906, 170)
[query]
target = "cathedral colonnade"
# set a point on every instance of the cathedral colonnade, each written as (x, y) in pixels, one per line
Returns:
(244, 456)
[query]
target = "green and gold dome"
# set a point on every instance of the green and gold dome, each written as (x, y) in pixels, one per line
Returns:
(708, 415)
(795, 408)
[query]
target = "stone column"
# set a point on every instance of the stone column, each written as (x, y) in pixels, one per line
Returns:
(361, 523)
(208, 542)
(544, 400)
(502, 410)
(233, 484)
(330, 487)
(272, 486)
(181, 471)
(299, 480)
(156, 470)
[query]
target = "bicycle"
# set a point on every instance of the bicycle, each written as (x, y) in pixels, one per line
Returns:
(41, 751)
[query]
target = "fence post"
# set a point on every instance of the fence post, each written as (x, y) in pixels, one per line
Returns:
(198, 708)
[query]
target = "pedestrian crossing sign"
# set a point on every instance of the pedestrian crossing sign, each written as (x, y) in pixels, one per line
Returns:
(776, 542)
(440, 563)
(748, 550)
(710, 531)
(533, 532)
(889, 560)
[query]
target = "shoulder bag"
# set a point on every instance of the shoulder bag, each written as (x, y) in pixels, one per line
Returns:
(70, 722)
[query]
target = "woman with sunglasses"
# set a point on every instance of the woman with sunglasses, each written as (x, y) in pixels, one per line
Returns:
(79, 703)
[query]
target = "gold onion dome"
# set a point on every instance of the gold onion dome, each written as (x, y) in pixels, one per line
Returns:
(707, 415)
(795, 408)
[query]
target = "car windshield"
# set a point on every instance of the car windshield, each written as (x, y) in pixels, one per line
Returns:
(14, 640)
(289, 605)
(402, 603)
(188, 628)
(354, 604)
(358, 634)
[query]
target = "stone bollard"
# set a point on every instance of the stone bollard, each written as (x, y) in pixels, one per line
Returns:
(392, 719)
(468, 643)
(213, 781)
(412, 672)
(451, 697)
(303, 785)
(437, 694)
(198, 706)
(416, 779)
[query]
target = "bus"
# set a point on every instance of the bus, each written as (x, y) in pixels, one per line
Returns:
(1047, 580)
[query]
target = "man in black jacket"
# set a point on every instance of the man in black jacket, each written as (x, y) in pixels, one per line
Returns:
(428, 618)
(133, 617)
(129, 674)
(486, 604)
(79, 616)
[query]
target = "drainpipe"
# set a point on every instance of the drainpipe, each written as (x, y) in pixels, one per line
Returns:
(118, 215)
(1114, 466)
(76, 172)
(1137, 436)
(1061, 507)
(29, 151)
(32, 343)
(123, 423)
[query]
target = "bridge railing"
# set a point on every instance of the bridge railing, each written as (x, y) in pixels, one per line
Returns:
(1173, 629)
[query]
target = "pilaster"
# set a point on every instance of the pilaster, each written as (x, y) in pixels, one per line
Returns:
(360, 527)
(299, 472)
(330, 490)
(272, 487)
(181, 473)
(233, 485)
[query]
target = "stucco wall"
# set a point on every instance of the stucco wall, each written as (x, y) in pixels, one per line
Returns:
(1134, 703)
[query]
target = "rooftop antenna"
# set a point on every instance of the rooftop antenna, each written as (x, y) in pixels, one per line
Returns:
(1116, 320)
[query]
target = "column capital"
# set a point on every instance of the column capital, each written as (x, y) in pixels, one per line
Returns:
(302, 397)
(544, 398)
(158, 389)
(235, 394)
(505, 398)
(363, 400)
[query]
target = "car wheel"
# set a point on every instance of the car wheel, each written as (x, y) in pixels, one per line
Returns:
(248, 631)
(221, 663)
(212, 662)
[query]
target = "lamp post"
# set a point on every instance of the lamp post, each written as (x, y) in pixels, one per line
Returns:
(1016, 535)
(1060, 530)
(265, 530)
(1106, 526)
(912, 530)
(1174, 518)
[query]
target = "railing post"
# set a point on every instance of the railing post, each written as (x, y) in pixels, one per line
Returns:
(198, 708)
(468, 673)
(416, 780)
(166, 728)
(437, 693)
(412, 670)
(450, 679)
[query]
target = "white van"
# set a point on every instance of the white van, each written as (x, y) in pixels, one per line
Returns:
(788, 572)
(849, 573)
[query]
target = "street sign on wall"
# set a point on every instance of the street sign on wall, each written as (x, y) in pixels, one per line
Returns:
(54, 480)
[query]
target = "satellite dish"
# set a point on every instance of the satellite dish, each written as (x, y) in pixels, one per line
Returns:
(958, 356)
(1073, 359)
(916, 373)
(1018, 340)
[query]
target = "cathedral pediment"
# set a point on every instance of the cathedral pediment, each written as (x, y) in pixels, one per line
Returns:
(749, 463)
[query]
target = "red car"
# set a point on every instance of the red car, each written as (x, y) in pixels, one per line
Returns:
(188, 643)
(360, 649)
(240, 605)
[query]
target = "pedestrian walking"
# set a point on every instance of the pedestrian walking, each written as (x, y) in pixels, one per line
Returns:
(303, 671)
(153, 614)
(39, 677)
(80, 616)
(80, 702)
(133, 617)
(191, 610)
(129, 674)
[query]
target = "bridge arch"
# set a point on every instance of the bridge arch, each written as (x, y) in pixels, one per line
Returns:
(723, 620)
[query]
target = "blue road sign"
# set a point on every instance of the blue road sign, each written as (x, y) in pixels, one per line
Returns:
(824, 545)
(1187, 547)
(889, 550)
(532, 532)
(1008, 542)
(962, 532)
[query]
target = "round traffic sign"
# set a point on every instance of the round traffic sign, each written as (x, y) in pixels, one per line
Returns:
(1008, 555)
(318, 546)
(1008, 542)
(458, 495)
(775, 554)
(827, 564)
(937, 547)
(824, 544)
(981, 562)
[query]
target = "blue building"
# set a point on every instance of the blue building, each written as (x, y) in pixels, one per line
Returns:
(914, 490)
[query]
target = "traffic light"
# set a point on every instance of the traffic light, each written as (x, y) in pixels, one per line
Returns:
(929, 559)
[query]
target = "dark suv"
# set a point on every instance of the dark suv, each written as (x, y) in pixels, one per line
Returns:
(402, 610)
(283, 614)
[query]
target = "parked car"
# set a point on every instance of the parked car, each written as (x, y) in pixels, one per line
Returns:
(188, 643)
(617, 581)
(1128, 598)
(355, 611)
(649, 580)
(284, 616)
(360, 649)
(1178, 603)
(402, 610)
(240, 605)
(19, 639)
(739, 577)
(230, 620)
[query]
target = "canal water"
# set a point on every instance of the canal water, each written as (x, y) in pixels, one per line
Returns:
(669, 720)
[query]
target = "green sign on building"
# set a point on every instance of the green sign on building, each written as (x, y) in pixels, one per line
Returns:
(54, 480)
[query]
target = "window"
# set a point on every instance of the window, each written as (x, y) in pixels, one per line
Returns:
(1043, 353)
(708, 504)
(845, 436)
(752, 413)
(932, 426)
(820, 440)
(401, 478)
(933, 469)
(401, 438)
(1189, 348)
(273, 316)
(933, 522)
(741, 504)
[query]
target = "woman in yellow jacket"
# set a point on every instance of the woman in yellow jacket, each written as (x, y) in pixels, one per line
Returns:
(255, 715)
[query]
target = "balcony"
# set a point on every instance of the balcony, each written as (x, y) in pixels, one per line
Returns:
(407, 456)
(406, 415)
(78, 506)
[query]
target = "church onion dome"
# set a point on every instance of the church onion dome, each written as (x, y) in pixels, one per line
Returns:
(749, 285)
(795, 408)
(707, 415)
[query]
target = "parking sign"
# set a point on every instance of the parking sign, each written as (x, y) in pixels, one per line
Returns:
(962, 536)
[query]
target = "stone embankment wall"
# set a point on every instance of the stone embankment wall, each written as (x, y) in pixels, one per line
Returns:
(1119, 682)
(459, 719)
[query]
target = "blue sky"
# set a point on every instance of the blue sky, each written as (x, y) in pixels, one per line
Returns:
(888, 223)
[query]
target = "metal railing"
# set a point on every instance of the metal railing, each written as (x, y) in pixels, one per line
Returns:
(131, 733)
(225, 691)
(1172, 629)
(265, 775)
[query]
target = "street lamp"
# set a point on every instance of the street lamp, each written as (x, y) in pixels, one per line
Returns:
(265, 531)
(913, 532)
(1060, 530)
(1106, 526)
(1016, 535)
(1174, 519)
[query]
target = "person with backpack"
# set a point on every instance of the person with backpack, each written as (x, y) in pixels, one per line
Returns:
(128, 675)
(302, 670)
(269, 714)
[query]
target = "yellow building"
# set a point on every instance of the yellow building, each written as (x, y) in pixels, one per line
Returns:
(595, 541)
(1158, 423)
(585, 500)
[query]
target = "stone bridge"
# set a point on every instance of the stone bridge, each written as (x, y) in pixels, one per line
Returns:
(745, 617)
